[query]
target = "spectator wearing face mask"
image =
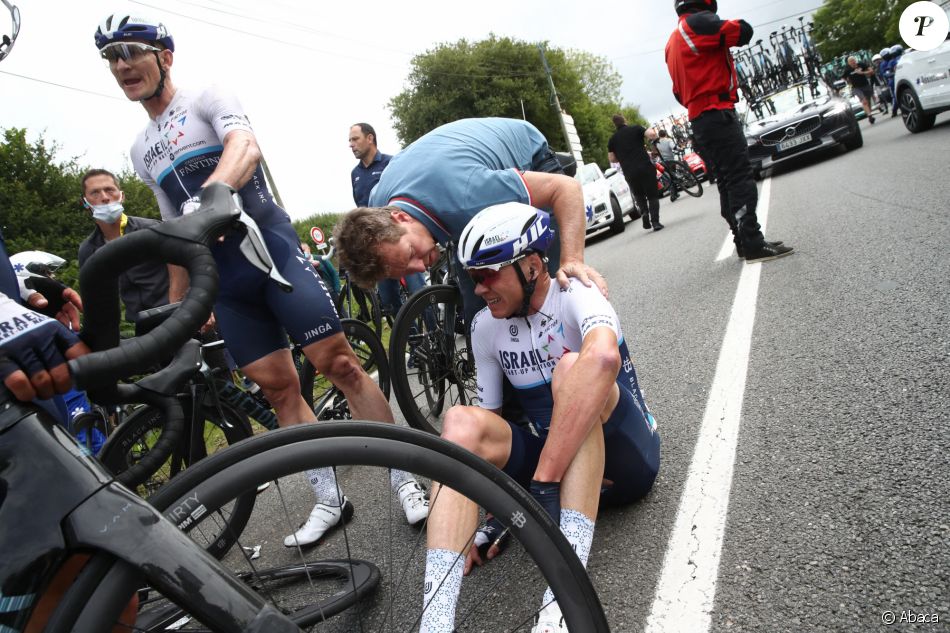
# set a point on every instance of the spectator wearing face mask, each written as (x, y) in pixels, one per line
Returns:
(143, 286)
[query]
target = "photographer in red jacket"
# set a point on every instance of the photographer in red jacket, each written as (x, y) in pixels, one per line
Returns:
(704, 80)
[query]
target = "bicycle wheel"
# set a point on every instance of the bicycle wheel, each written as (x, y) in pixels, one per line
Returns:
(431, 357)
(133, 439)
(326, 400)
(355, 303)
(503, 596)
(686, 179)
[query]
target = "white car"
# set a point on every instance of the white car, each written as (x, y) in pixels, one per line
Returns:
(922, 81)
(607, 198)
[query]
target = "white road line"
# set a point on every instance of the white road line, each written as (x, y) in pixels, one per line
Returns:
(686, 591)
(762, 211)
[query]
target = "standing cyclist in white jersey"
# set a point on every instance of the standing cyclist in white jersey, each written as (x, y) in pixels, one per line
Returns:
(194, 138)
(564, 353)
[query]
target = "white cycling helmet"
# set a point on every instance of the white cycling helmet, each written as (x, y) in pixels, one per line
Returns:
(502, 234)
(36, 264)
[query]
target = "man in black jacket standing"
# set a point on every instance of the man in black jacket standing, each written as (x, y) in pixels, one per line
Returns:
(626, 147)
(705, 81)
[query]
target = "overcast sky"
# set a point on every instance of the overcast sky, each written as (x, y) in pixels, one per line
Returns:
(306, 70)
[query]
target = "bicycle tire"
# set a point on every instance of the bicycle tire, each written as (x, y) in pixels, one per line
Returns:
(443, 370)
(133, 439)
(326, 400)
(355, 303)
(362, 574)
(686, 179)
(280, 454)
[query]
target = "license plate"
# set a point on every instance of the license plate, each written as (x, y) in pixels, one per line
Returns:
(794, 142)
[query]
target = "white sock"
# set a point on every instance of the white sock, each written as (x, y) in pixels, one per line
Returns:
(442, 584)
(579, 531)
(325, 486)
(398, 477)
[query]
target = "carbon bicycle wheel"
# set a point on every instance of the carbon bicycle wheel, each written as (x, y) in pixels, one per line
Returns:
(134, 438)
(431, 357)
(685, 179)
(355, 303)
(326, 400)
(502, 596)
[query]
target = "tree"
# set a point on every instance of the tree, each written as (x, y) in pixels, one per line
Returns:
(506, 78)
(844, 26)
(41, 200)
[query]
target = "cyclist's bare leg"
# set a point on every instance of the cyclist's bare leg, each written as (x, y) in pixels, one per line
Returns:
(334, 358)
(453, 517)
(574, 393)
(278, 380)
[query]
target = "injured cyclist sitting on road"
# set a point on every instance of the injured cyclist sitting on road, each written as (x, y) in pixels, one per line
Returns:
(563, 351)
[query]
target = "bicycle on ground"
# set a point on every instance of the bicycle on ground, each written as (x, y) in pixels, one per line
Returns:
(131, 544)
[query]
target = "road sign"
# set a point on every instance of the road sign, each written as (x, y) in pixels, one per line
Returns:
(316, 234)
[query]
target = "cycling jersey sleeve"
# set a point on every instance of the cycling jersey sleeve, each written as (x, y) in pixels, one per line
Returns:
(589, 309)
(223, 111)
(489, 375)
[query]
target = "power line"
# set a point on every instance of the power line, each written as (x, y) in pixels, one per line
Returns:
(331, 53)
(53, 83)
(659, 50)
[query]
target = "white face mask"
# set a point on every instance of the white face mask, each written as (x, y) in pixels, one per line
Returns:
(108, 213)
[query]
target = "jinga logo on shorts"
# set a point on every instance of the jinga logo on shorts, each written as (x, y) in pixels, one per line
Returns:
(318, 331)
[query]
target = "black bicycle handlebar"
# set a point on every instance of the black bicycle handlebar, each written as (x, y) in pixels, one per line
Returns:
(182, 242)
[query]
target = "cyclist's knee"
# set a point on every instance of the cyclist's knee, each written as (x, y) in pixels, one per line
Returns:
(341, 367)
(464, 426)
(280, 389)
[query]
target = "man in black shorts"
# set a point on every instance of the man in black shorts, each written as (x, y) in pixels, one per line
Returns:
(858, 75)
(626, 147)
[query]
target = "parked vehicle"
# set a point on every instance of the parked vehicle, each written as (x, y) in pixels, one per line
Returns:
(800, 128)
(922, 81)
(607, 197)
(696, 165)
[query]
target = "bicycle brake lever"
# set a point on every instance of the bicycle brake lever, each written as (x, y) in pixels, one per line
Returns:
(255, 251)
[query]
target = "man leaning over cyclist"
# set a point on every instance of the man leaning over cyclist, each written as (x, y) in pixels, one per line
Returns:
(198, 136)
(565, 354)
(433, 187)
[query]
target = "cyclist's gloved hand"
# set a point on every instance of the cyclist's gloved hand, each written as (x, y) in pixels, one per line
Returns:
(33, 352)
(50, 297)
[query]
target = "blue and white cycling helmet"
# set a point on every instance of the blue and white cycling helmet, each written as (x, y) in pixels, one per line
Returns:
(502, 234)
(119, 27)
(897, 50)
(35, 264)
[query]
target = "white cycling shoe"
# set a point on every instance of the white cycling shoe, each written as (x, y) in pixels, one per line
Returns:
(414, 503)
(322, 519)
(550, 620)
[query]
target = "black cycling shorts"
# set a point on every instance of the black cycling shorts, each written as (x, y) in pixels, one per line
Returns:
(254, 315)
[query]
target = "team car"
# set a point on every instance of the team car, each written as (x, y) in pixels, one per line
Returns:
(800, 126)
(607, 197)
(922, 81)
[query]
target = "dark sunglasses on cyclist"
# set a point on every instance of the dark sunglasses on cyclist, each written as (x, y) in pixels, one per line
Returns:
(129, 52)
(484, 276)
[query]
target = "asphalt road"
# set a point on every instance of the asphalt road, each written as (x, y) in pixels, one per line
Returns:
(839, 509)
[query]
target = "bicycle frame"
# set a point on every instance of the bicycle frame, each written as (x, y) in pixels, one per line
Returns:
(90, 511)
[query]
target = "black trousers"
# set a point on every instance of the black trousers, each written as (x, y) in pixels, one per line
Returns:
(721, 142)
(643, 187)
